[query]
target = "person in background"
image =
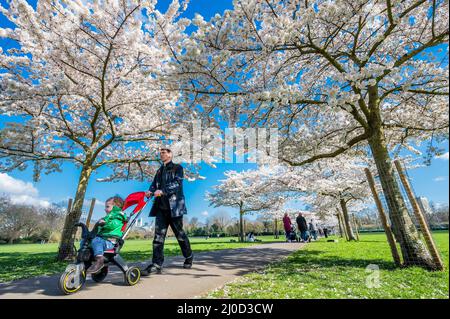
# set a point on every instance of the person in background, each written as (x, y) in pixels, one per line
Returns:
(320, 230)
(302, 227)
(325, 232)
(313, 229)
(287, 225)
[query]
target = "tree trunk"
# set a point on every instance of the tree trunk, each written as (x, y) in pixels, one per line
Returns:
(276, 228)
(413, 249)
(241, 226)
(15, 234)
(346, 220)
(344, 229)
(65, 250)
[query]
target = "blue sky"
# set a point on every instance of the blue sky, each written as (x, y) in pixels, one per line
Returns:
(431, 182)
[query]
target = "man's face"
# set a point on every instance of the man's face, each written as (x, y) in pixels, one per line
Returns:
(165, 155)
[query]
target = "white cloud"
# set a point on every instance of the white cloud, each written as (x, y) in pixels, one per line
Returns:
(443, 156)
(440, 205)
(10, 185)
(87, 202)
(21, 192)
(440, 178)
(29, 200)
(204, 213)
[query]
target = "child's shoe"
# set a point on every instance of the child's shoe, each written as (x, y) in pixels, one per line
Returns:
(97, 265)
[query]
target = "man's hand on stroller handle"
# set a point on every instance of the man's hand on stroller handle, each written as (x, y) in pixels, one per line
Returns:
(156, 193)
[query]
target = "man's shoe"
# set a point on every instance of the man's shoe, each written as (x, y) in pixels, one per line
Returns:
(97, 265)
(188, 262)
(151, 269)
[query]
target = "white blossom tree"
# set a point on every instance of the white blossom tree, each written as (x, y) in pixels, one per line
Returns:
(87, 83)
(332, 76)
(326, 185)
(339, 182)
(246, 192)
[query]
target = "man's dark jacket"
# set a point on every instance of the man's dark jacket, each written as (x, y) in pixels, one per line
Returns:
(172, 189)
(301, 223)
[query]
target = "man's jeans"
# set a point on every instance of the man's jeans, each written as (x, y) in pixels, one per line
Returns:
(99, 245)
(304, 235)
(163, 220)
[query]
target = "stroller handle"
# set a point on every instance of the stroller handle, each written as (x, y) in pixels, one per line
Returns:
(84, 230)
(136, 216)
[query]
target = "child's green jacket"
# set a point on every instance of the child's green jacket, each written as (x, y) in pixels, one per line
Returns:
(114, 223)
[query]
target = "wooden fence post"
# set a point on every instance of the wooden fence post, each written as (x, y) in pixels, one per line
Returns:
(339, 224)
(420, 218)
(387, 228)
(342, 225)
(91, 209)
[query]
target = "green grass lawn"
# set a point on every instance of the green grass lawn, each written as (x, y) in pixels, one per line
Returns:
(29, 260)
(338, 270)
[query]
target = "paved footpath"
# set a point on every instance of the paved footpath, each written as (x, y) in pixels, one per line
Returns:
(211, 270)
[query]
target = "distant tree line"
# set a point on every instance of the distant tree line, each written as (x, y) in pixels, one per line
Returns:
(221, 224)
(27, 223)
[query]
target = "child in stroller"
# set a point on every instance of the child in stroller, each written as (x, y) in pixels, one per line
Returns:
(109, 231)
(101, 246)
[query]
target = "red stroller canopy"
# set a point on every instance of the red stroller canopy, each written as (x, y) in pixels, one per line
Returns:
(137, 199)
(133, 199)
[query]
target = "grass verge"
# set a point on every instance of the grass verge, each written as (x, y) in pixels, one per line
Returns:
(341, 270)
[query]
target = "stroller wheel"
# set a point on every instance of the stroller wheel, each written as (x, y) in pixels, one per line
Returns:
(98, 277)
(72, 280)
(132, 276)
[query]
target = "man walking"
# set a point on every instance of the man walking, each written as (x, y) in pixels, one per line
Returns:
(313, 229)
(168, 208)
(302, 227)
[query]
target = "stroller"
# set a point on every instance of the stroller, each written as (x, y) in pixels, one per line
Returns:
(292, 235)
(74, 277)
